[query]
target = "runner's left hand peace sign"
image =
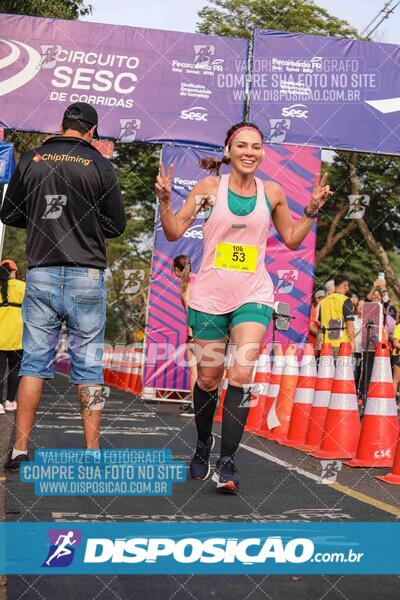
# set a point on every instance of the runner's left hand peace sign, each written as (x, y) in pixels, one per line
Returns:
(321, 192)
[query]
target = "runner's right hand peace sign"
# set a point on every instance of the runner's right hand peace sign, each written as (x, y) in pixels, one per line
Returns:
(164, 184)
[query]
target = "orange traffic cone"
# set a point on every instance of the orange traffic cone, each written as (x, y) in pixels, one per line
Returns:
(278, 359)
(286, 395)
(260, 391)
(107, 359)
(394, 476)
(303, 400)
(380, 426)
(342, 424)
(323, 386)
(135, 380)
(224, 387)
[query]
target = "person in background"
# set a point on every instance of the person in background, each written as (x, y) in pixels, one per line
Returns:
(66, 195)
(396, 359)
(336, 316)
(181, 267)
(330, 287)
(314, 330)
(354, 299)
(391, 318)
(11, 296)
(358, 340)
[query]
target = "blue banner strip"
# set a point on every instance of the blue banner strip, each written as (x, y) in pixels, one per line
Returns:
(201, 548)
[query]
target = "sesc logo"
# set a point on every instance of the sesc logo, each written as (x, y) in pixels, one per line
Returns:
(62, 547)
(196, 113)
(10, 78)
(194, 232)
(298, 111)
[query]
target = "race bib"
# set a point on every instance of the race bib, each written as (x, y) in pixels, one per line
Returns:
(235, 257)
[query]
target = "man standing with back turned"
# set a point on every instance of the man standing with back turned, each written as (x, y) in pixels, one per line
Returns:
(66, 195)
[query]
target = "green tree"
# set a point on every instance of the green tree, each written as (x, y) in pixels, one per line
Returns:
(238, 17)
(137, 167)
(363, 246)
(53, 9)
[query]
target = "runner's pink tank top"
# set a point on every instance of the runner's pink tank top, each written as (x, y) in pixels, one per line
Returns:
(218, 291)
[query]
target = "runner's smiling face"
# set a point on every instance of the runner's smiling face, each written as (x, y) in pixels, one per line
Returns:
(246, 151)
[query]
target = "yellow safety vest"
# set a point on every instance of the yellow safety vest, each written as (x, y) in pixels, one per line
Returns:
(11, 317)
(331, 308)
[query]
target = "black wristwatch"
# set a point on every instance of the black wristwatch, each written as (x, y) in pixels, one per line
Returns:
(309, 214)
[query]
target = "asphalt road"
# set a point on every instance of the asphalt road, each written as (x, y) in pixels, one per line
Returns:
(277, 484)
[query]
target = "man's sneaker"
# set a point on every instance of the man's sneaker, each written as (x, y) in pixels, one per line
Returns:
(187, 411)
(225, 475)
(200, 464)
(11, 406)
(13, 464)
(2, 411)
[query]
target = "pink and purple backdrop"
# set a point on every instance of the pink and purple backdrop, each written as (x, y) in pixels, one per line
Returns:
(294, 168)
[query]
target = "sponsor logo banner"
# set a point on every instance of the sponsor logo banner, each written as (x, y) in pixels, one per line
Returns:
(201, 548)
(146, 84)
(326, 92)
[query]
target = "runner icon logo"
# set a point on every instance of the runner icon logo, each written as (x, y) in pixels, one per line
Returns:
(133, 279)
(62, 547)
(330, 469)
(357, 206)
(129, 129)
(49, 55)
(55, 204)
(279, 130)
(203, 53)
(286, 281)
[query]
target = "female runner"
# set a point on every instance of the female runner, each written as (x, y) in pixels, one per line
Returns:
(232, 296)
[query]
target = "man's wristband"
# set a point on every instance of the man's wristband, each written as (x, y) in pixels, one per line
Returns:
(309, 214)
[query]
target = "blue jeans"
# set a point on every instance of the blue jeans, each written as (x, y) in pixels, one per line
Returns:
(76, 295)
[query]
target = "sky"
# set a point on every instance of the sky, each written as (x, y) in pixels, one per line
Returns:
(181, 15)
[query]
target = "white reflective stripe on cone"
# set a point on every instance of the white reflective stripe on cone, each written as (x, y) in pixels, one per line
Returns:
(343, 402)
(381, 407)
(344, 372)
(321, 398)
(289, 370)
(260, 389)
(381, 370)
(279, 363)
(262, 361)
(304, 396)
(273, 389)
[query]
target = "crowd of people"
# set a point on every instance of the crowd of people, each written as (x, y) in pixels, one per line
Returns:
(337, 317)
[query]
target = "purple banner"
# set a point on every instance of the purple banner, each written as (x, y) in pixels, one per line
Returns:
(146, 84)
(326, 92)
(292, 272)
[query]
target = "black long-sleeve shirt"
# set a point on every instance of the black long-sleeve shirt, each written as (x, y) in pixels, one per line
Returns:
(67, 196)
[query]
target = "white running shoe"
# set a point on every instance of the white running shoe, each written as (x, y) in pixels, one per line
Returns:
(11, 406)
(2, 411)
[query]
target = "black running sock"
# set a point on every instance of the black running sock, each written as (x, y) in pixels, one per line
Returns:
(234, 417)
(204, 404)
